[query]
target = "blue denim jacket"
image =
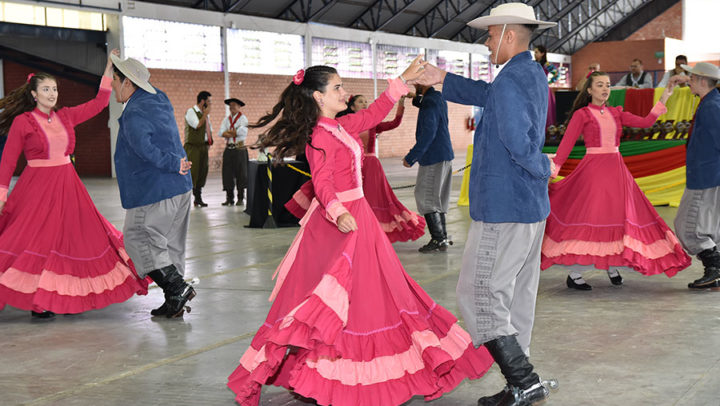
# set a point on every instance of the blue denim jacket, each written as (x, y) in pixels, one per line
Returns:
(509, 173)
(703, 148)
(148, 151)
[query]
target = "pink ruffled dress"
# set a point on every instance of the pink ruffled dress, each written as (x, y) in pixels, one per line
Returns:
(399, 223)
(599, 216)
(348, 326)
(57, 252)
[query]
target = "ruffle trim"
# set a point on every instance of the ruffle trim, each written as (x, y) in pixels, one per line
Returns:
(335, 366)
(42, 299)
(654, 250)
(646, 233)
(671, 263)
(406, 226)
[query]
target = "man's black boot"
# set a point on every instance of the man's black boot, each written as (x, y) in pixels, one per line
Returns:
(229, 200)
(711, 261)
(177, 291)
(197, 192)
(524, 387)
(437, 240)
(446, 237)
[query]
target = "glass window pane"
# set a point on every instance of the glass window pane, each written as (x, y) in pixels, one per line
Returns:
(171, 45)
(351, 59)
(265, 52)
(392, 60)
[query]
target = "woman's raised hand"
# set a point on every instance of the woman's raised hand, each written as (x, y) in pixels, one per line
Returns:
(413, 71)
(108, 67)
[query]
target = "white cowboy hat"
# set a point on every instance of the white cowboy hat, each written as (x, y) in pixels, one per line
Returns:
(704, 69)
(510, 13)
(135, 71)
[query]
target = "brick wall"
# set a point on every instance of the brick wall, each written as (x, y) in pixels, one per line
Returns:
(261, 92)
(92, 148)
(667, 24)
(616, 56)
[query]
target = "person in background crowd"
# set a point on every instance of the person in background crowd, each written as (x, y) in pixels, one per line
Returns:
(154, 181)
(637, 78)
(600, 219)
(234, 129)
(552, 74)
(198, 139)
(594, 67)
(433, 152)
(498, 282)
(58, 254)
(697, 222)
(677, 70)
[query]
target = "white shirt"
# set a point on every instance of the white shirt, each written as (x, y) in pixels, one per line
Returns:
(666, 77)
(193, 121)
(241, 127)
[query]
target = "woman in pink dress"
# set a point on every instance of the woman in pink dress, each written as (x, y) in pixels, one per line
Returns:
(348, 326)
(399, 223)
(58, 254)
(599, 216)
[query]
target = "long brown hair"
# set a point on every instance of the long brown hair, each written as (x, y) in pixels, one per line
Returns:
(583, 98)
(300, 113)
(20, 100)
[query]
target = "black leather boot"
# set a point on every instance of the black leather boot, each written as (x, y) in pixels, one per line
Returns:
(177, 291)
(711, 261)
(197, 192)
(229, 200)
(524, 387)
(444, 229)
(438, 242)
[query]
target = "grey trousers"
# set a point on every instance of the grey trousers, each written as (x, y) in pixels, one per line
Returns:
(498, 282)
(155, 234)
(697, 223)
(432, 188)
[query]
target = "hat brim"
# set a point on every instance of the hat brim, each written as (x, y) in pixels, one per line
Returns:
(120, 64)
(236, 100)
(692, 70)
(486, 21)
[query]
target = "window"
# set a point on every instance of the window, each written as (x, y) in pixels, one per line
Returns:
(170, 45)
(265, 52)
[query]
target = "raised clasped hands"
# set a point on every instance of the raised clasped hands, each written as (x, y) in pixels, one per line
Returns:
(346, 223)
(413, 71)
(672, 82)
(185, 166)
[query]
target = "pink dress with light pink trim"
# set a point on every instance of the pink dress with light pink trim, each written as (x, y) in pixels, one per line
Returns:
(599, 216)
(398, 222)
(348, 326)
(57, 252)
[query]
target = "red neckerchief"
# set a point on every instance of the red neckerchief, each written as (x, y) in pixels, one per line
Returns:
(232, 122)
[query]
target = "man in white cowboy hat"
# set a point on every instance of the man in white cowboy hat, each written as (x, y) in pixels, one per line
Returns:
(152, 173)
(697, 223)
(509, 201)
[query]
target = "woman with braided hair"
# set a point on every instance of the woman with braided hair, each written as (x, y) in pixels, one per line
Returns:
(348, 326)
(58, 254)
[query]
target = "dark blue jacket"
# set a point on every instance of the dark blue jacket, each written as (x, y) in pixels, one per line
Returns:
(703, 148)
(148, 151)
(432, 136)
(509, 173)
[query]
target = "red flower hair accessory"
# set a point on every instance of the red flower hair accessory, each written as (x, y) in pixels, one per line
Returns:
(299, 77)
(30, 76)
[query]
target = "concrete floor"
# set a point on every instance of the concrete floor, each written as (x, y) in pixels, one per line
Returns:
(649, 342)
